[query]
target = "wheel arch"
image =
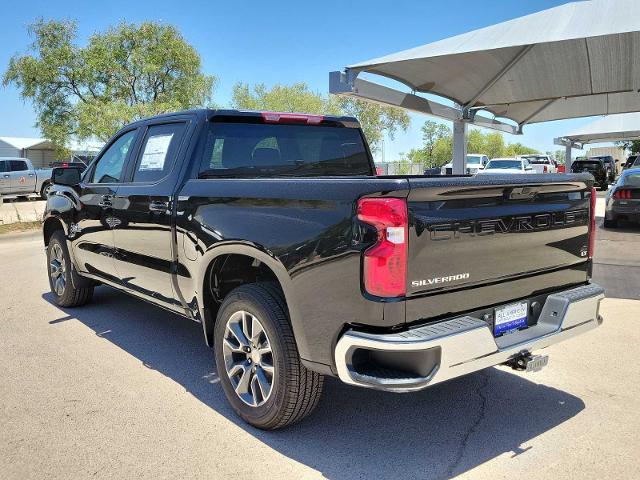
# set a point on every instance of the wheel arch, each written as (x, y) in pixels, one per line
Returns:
(50, 226)
(208, 261)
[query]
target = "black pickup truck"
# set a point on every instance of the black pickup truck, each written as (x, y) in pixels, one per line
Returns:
(272, 231)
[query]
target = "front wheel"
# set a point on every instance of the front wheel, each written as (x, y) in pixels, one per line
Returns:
(257, 359)
(59, 263)
(613, 223)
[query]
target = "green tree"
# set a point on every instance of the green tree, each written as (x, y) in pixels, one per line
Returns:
(442, 151)
(375, 119)
(494, 146)
(283, 98)
(633, 145)
(515, 149)
(475, 141)
(123, 74)
(431, 133)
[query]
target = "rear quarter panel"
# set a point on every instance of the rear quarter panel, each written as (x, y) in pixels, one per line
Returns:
(306, 227)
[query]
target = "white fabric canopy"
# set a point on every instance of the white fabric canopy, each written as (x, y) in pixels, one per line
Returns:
(576, 60)
(625, 126)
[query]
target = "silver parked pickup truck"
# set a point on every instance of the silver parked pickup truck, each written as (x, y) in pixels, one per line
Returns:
(18, 178)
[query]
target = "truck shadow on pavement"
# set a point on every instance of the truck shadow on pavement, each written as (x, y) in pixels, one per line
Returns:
(354, 433)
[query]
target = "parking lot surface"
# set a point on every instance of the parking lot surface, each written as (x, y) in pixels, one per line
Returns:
(122, 389)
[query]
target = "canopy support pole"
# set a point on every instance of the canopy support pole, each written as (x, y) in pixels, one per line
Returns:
(460, 128)
(567, 156)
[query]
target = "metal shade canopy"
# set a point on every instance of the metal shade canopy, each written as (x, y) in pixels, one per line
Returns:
(576, 60)
(624, 126)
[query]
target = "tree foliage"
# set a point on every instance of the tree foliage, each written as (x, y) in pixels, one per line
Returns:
(437, 148)
(376, 120)
(633, 145)
(123, 74)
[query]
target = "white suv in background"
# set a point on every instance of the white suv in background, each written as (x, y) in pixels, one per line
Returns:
(541, 163)
(475, 163)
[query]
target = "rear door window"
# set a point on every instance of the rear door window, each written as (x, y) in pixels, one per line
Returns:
(3, 166)
(18, 166)
(159, 151)
(265, 150)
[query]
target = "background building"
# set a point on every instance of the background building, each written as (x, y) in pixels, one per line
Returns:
(41, 151)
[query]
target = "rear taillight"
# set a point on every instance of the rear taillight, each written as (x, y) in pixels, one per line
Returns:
(592, 223)
(385, 263)
(622, 195)
(279, 117)
(545, 169)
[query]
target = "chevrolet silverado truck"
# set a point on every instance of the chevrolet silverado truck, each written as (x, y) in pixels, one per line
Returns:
(18, 178)
(272, 232)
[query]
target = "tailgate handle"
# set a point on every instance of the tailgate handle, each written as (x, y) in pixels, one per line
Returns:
(522, 193)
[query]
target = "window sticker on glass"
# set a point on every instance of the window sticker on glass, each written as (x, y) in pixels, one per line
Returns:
(155, 152)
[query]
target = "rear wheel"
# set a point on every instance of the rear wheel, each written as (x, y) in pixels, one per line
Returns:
(44, 191)
(59, 263)
(613, 223)
(257, 359)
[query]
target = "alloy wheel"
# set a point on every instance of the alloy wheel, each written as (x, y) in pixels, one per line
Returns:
(248, 358)
(57, 269)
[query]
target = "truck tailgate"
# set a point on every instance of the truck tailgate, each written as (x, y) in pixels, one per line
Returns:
(467, 232)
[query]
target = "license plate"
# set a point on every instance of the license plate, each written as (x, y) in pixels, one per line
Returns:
(510, 318)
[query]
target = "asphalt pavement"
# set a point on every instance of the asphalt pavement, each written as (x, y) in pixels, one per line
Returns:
(122, 389)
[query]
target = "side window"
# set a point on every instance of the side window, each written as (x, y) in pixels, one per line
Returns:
(159, 151)
(110, 166)
(18, 166)
(3, 167)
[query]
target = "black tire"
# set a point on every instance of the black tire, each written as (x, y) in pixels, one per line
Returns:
(613, 223)
(65, 294)
(295, 391)
(44, 190)
(604, 186)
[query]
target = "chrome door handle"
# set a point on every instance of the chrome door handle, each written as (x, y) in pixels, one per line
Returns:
(32, 175)
(6, 176)
(158, 206)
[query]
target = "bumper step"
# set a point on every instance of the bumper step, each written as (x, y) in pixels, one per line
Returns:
(430, 354)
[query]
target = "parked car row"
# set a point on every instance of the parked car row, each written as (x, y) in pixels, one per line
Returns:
(478, 163)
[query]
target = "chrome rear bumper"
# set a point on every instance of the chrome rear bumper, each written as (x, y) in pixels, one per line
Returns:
(430, 354)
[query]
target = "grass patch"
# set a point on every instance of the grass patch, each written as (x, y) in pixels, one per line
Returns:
(20, 227)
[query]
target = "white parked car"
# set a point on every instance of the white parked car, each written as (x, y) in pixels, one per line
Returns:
(475, 163)
(499, 166)
(541, 163)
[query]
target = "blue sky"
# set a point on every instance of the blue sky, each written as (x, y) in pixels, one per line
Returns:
(278, 42)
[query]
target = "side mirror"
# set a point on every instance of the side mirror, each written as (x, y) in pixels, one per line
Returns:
(69, 177)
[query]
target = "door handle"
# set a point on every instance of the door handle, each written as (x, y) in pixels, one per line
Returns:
(32, 174)
(158, 206)
(106, 201)
(6, 176)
